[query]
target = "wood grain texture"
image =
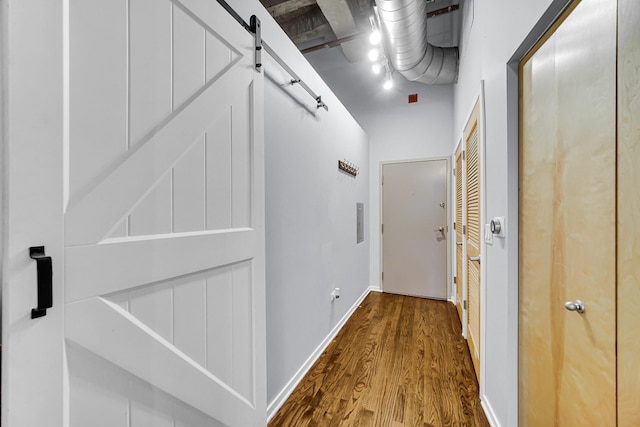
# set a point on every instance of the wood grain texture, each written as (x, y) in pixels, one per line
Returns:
(628, 212)
(399, 361)
(472, 239)
(567, 366)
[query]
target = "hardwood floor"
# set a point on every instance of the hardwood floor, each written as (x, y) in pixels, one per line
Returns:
(399, 361)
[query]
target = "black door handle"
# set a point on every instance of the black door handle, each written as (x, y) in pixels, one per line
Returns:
(45, 283)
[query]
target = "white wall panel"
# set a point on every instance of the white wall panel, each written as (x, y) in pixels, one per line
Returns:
(219, 298)
(189, 190)
(218, 56)
(218, 165)
(188, 56)
(153, 214)
(102, 395)
(98, 128)
(190, 318)
(150, 81)
(154, 308)
(241, 163)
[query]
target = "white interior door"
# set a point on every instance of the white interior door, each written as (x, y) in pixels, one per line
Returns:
(414, 238)
(154, 170)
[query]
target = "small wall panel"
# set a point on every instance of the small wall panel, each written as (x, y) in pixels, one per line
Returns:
(207, 316)
(218, 56)
(153, 214)
(189, 190)
(241, 161)
(103, 395)
(150, 79)
(98, 95)
(218, 158)
(188, 56)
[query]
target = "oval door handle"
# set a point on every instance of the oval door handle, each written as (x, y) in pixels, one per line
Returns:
(459, 243)
(475, 258)
(574, 306)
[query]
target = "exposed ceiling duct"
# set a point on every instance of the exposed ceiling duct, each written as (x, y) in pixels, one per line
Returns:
(404, 23)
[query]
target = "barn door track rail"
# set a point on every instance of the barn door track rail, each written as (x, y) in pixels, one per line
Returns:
(255, 29)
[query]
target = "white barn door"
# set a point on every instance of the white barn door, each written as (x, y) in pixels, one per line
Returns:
(159, 305)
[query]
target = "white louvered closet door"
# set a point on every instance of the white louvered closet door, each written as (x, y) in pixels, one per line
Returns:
(161, 281)
(472, 161)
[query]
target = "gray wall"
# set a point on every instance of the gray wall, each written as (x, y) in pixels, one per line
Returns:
(310, 209)
(397, 130)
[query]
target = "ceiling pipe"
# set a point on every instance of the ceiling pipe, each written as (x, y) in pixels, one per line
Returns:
(404, 23)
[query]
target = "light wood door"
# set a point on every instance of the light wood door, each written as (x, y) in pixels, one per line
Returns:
(414, 238)
(567, 369)
(159, 302)
(459, 237)
(472, 237)
(628, 212)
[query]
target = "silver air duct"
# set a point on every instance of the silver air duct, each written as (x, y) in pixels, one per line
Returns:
(404, 23)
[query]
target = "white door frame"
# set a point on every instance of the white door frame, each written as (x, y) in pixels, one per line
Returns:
(461, 281)
(35, 107)
(448, 214)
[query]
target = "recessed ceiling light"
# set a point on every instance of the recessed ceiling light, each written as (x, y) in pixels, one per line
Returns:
(374, 54)
(376, 68)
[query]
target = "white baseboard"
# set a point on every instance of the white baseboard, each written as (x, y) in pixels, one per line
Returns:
(284, 394)
(488, 411)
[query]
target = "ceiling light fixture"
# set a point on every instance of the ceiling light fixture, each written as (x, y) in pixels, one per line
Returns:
(376, 68)
(374, 55)
(388, 83)
(375, 37)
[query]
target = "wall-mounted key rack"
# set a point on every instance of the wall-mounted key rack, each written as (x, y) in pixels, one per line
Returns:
(348, 167)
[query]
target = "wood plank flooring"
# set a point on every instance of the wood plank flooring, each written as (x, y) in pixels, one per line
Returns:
(399, 361)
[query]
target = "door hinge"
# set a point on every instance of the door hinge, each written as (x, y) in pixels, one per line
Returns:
(464, 304)
(464, 229)
(455, 279)
(382, 229)
(454, 171)
(383, 276)
(382, 180)
(464, 154)
(454, 225)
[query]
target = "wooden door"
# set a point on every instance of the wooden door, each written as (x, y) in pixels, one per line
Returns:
(567, 369)
(459, 237)
(472, 237)
(628, 246)
(414, 239)
(159, 291)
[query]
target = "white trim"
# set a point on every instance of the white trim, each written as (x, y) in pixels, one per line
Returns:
(488, 411)
(281, 398)
(483, 244)
(461, 280)
(450, 232)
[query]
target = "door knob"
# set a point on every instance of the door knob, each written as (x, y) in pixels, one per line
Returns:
(439, 229)
(459, 243)
(574, 306)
